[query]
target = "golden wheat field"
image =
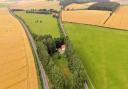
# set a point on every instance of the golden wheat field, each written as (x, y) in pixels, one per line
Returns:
(16, 60)
(35, 5)
(75, 6)
(119, 19)
(94, 17)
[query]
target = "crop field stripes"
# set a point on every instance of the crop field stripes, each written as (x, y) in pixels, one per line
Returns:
(94, 17)
(111, 14)
(116, 20)
(17, 62)
(41, 70)
(75, 6)
(119, 18)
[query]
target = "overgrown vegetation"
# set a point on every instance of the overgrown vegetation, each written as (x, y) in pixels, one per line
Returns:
(46, 48)
(57, 73)
(75, 66)
(109, 6)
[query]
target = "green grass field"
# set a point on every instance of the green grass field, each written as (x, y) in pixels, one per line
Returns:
(47, 26)
(64, 68)
(3, 5)
(104, 53)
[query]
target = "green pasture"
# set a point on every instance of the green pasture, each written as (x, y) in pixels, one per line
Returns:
(104, 53)
(40, 24)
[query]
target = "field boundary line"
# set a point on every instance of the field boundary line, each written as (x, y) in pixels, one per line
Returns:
(112, 28)
(65, 34)
(111, 14)
(90, 80)
(108, 18)
(33, 45)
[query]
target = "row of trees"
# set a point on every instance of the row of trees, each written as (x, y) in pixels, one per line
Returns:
(75, 66)
(45, 43)
(42, 11)
(47, 51)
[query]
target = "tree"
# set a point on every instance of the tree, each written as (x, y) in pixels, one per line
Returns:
(55, 76)
(42, 52)
(75, 66)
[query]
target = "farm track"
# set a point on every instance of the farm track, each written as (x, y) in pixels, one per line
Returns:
(16, 60)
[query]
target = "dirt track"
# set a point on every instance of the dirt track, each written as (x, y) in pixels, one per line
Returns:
(16, 60)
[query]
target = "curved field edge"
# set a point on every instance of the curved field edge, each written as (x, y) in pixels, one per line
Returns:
(103, 52)
(40, 83)
(18, 68)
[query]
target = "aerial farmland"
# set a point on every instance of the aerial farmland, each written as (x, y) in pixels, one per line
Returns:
(86, 16)
(16, 60)
(97, 43)
(63, 44)
(119, 18)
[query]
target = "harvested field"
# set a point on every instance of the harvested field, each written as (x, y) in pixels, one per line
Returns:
(35, 5)
(119, 19)
(94, 17)
(16, 60)
(75, 6)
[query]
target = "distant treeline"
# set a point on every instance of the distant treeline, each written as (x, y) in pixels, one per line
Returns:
(108, 6)
(17, 10)
(40, 11)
